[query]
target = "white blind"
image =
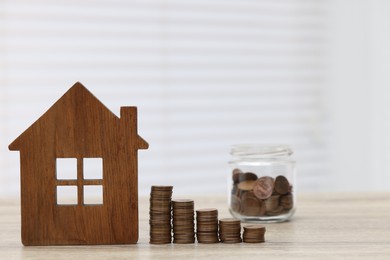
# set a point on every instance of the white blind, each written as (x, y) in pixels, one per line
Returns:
(204, 74)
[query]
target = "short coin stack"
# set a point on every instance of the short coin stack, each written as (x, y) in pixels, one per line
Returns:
(207, 226)
(230, 230)
(254, 234)
(183, 221)
(160, 215)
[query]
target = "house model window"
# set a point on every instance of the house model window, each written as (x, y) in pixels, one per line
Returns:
(79, 181)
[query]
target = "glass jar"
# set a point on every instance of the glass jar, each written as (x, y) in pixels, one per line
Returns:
(262, 183)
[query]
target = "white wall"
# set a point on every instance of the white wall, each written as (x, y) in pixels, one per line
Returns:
(357, 96)
(208, 74)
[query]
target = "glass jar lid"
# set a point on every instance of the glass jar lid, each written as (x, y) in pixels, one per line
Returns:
(259, 151)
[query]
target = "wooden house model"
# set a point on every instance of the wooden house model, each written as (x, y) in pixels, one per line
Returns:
(80, 128)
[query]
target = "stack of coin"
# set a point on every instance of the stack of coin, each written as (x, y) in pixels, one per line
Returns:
(160, 215)
(254, 234)
(207, 226)
(183, 221)
(230, 230)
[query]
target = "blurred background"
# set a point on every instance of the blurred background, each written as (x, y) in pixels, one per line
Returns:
(208, 74)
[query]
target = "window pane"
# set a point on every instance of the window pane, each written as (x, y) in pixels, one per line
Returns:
(66, 168)
(93, 168)
(66, 195)
(93, 194)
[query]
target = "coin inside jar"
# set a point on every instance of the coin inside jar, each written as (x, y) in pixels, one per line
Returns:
(263, 187)
(286, 201)
(236, 175)
(282, 186)
(248, 176)
(251, 206)
(246, 185)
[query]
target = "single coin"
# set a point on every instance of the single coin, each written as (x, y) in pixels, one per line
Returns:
(236, 175)
(272, 202)
(229, 221)
(184, 201)
(159, 242)
(257, 228)
(246, 185)
(212, 230)
(238, 192)
(282, 186)
(251, 206)
(275, 212)
(263, 187)
(214, 241)
(207, 210)
(286, 201)
(231, 241)
(206, 213)
(163, 188)
(248, 176)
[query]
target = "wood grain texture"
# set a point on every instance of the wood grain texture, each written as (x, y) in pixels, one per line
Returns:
(79, 126)
(326, 226)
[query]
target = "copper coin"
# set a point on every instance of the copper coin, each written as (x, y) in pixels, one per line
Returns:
(229, 221)
(163, 188)
(184, 201)
(214, 241)
(272, 202)
(158, 242)
(207, 210)
(246, 185)
(248, 176)
(282, 186)
(275, 212)
(286, 201)
(251, 206)
(263, 187)
(207, 230)
(206, 221)
(232, 241)
(254, 228)
(236, 175)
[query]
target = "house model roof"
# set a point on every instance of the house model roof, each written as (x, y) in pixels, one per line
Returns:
(76, 98)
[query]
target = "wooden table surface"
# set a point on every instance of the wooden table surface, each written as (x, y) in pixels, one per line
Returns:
(325, 226)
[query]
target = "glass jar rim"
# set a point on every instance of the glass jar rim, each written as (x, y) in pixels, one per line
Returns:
(259, 150)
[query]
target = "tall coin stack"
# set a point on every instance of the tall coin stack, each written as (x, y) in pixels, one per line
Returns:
(230, 230)
(160, 215)
(207, 226)
(254, 234)
(183, 221)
